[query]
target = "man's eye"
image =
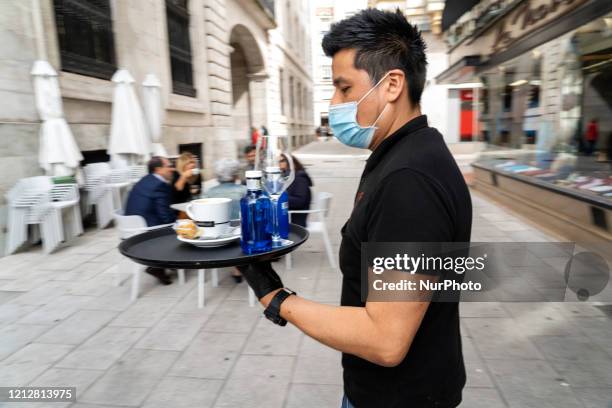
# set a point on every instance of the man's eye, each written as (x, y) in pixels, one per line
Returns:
(345, 90)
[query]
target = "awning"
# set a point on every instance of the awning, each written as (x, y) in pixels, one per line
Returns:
(453, 10)
(461, 71)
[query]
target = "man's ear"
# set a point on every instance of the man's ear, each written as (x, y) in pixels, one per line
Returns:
(395, 84)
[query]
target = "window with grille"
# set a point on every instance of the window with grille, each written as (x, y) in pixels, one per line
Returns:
(85, 36)
(180, 47)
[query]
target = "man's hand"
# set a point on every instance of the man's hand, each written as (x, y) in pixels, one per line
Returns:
(262, 279)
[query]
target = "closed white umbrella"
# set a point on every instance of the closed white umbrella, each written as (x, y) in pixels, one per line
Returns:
(129, 141)
(151, 94)
(58, 153)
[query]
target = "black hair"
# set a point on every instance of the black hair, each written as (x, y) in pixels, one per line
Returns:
(383, 40)
(155, 163)
(248, 149)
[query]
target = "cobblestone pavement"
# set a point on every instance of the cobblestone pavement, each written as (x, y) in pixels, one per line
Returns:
(63, 322)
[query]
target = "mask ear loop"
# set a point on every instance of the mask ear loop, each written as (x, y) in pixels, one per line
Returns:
(381, 113)
(373, 88)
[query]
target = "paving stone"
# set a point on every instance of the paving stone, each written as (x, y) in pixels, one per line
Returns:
(101, 350)
(317, 364)
(482, 398)
(314, 395)
(570, 348)
(57, 310)
(29, 362)
(541, 386)
(62, 377)
(594, 397)
(173, 332)
(78, 327)
(178, 392)
(270, 339)
(145, 312)
(15, 336)
(131, 379)
(13, 311)
(256, 381)
(84, 271)
(210, 355)
(500, 338)
(233, 316)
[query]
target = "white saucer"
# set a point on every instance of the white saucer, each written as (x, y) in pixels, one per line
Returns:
(210, 243)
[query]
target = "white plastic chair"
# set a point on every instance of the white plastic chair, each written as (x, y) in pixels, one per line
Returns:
(66, 196)
(317, 226)
(99, 193)
(29, 203)
(118, 183)
(136, 172)
(130, 225)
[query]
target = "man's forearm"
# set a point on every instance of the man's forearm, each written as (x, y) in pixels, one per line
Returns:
(348, 329)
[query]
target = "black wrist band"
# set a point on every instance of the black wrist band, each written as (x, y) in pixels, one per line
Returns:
(272, 312)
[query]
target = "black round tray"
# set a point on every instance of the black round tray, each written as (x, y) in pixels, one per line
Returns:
(160, 248)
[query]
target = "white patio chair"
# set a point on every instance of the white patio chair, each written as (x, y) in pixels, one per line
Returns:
(136, 172)
(118, 182)
(66, 196)
(29, 203)
(99, 193)
(130, 225)
(318, 225)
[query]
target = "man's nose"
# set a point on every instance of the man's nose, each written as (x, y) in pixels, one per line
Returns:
(335, 99)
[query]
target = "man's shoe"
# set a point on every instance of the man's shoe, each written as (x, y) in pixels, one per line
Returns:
(160, 274)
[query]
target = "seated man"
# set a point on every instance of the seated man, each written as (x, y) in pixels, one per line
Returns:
(150, 198)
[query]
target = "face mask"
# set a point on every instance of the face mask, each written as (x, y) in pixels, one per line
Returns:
(343, 122)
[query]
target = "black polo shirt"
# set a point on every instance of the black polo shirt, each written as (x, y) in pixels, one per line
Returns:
(411, 190)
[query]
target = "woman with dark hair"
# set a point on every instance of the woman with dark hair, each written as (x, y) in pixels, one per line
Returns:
(299, 191)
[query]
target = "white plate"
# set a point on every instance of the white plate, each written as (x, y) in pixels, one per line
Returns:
(210, 243)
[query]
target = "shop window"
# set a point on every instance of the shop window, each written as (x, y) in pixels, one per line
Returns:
(85, 36)
(180, 47)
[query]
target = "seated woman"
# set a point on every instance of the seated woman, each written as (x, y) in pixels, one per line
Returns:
(227, 172)
(186, 182)
(299, 191)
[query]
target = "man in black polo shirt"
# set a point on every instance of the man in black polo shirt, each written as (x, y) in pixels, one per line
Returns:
(395, 354)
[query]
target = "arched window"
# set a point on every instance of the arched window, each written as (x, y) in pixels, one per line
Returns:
(180, 47)
(85, 36)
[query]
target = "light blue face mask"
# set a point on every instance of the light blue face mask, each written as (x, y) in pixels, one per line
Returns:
(343, 122)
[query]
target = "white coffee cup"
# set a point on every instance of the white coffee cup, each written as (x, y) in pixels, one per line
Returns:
(195, 171)
(211, 213)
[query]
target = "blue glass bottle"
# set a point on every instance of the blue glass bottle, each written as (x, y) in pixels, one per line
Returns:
(255, 210)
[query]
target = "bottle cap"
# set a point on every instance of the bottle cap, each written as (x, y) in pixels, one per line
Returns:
(273, 169)
(253, 174)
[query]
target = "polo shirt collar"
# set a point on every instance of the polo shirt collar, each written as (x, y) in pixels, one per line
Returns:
(409, 127)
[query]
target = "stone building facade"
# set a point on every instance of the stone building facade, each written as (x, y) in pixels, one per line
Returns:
(250, 62)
